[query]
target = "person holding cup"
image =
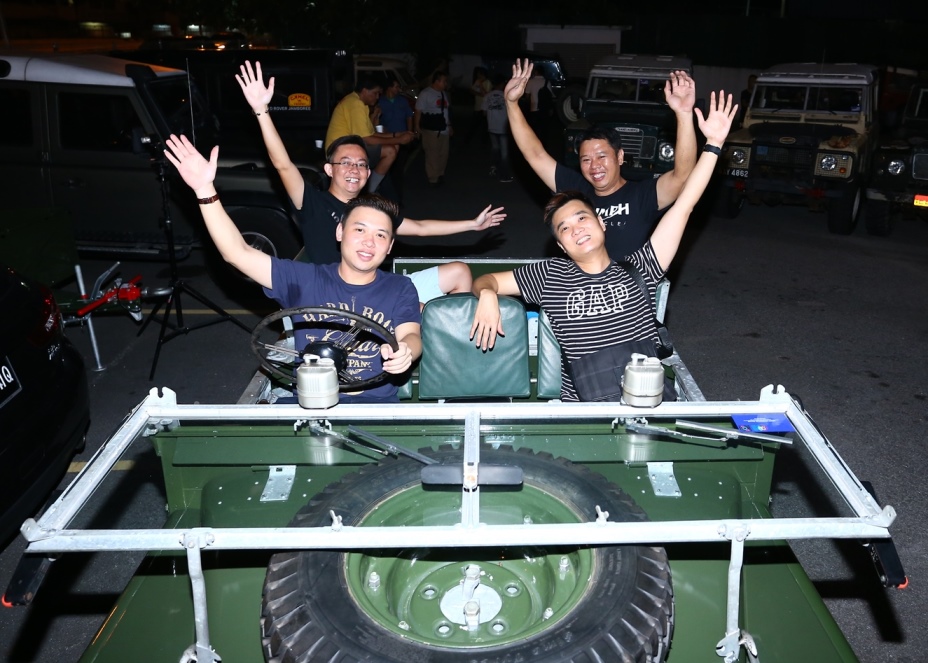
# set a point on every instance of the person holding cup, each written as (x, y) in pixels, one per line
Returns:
(356, 115)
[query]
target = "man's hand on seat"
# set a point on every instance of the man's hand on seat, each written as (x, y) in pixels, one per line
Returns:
(487, 321)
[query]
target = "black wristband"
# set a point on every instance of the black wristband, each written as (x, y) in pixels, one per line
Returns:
(717, 151)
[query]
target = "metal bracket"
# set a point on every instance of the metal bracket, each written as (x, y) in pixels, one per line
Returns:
(662, 479)
(470, 494)
(729, 647)
(194, 541)
(279, 483)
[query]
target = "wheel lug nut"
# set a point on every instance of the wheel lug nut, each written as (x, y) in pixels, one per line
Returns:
(564, 564)
(547, 614)
(373, 580)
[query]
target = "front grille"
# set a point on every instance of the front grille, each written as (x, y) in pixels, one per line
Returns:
(920, 167)
(631, 142)
(782, 156)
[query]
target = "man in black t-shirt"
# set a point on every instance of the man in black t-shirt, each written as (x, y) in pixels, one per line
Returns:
(348, 170)
(629, 209)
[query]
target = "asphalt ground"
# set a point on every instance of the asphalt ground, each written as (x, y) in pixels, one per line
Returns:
(768, 298)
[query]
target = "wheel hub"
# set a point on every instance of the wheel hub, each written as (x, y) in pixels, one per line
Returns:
(471, 603)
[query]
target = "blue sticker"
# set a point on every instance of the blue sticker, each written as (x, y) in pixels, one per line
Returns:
(763, 423)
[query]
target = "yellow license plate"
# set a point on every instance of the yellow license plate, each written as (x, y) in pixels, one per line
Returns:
(921, 200)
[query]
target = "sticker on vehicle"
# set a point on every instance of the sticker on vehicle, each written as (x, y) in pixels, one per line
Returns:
(9, 383)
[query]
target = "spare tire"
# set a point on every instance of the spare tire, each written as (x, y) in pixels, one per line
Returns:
(569, 603)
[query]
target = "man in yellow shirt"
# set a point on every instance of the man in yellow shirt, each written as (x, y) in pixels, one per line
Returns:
(353, 116)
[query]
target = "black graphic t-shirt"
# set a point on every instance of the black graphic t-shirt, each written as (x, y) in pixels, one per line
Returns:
(630, 213)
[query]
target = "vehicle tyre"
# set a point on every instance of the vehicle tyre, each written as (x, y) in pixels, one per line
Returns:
(567, 104)
(267, 230)
(843, 211)
(878, 217)
(730, 202)
(610, 603)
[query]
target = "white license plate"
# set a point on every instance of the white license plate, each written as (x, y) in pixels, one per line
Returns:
(738, 172)
(9, 382)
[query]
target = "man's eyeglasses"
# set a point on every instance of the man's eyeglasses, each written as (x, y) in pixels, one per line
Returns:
(347, 163)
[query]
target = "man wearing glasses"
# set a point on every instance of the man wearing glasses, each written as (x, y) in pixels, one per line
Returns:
(352, 117)
(349, 170)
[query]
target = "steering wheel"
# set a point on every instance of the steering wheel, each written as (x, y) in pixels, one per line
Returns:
(336, 350)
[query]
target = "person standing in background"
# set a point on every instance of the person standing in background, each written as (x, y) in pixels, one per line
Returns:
(479, 88)
(432, 121)
(494, 105)
(396, 117)
(353, 117)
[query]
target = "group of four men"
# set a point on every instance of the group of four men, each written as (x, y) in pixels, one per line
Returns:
(591, 301)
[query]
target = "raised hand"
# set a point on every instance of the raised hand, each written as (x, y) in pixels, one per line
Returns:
(716, 125)
(197, 172)
(489, 218)
(257, 94)
(680, 92)
(521, 74)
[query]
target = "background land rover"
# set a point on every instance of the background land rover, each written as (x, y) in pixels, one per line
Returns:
(898, 184)
(627, 92)
(73, 140)
(807, 138)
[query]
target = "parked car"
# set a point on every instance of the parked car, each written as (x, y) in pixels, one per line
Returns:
(567, 91)
(83, 135)
(627, 92)
(385, 69)
(308, 83)
(44, 401)
(808, 138)
(898, 183)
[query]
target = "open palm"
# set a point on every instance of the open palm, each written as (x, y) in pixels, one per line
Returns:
(251, 80)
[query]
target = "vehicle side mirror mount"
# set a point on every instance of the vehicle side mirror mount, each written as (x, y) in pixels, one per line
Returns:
(145, 143)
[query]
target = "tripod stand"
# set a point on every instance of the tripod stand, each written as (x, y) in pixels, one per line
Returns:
(177, 286)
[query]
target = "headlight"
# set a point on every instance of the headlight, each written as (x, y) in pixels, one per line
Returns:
(738, 156)
(896, 167)
(828, 162)
(665, 152)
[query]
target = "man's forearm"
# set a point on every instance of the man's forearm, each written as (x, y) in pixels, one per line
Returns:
(525, 139)
(434, 227)
(414, 343)
(273, 142)
(487, 282)
(530, 145)
(684, 150)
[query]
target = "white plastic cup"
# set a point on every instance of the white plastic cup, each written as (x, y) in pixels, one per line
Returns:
(318, 144)
(379, 128)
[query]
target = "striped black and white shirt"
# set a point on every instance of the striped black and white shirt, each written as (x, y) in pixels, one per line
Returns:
(589, 312)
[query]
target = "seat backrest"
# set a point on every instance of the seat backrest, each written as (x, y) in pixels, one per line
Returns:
(549, 360)
(453, 368)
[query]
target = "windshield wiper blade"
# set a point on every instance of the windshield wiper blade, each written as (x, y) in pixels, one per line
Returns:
(724, 434)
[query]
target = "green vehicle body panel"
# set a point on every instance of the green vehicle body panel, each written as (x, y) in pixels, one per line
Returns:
(214, 477)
